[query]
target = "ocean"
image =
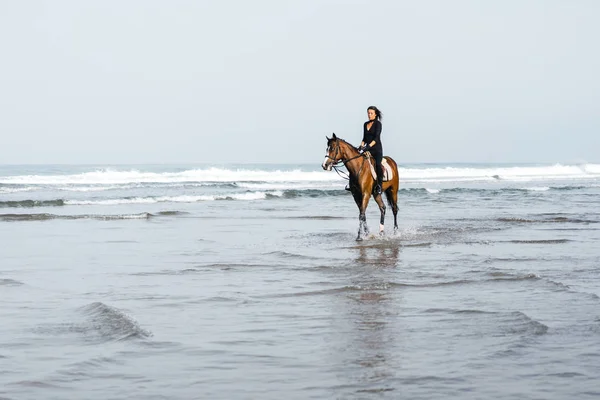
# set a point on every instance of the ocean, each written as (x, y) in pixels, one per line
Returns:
(246, 282)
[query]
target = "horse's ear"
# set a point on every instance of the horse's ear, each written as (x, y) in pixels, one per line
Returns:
(335, 137)
(327, 138)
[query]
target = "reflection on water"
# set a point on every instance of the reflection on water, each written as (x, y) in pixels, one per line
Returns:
(373, 344)
(379, 255)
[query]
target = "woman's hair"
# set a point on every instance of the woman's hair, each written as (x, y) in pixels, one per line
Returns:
(378, 114)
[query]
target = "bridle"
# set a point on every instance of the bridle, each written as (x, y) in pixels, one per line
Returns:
(336, 161)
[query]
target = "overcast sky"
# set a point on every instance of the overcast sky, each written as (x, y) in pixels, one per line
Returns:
(174, 81)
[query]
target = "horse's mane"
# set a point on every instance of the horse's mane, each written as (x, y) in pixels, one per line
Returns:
(349, 144)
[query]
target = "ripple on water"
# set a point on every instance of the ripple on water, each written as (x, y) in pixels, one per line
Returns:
(492, 323)
(10, 282)
(101, 323)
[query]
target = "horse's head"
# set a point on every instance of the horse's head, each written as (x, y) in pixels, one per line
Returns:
(334, 154)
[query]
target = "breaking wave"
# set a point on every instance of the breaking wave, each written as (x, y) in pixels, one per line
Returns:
(113, 176)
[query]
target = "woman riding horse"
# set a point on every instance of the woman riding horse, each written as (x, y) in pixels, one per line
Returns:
(362, 182)
(371, 142)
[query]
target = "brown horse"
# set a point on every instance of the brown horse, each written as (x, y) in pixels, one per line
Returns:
(362, 182)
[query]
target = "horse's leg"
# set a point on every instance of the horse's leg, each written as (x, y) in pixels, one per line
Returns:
(363, 209)
(358, 198)
(362, 200)
(392, 197)
(381, 205)
(361, 223)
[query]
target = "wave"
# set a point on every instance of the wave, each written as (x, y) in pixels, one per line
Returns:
(338, 190)
(101, 217)
(499, 323)
(515, 173)
(112, 176)
(254, 191)
(295, 189)
(385, 286)
(316, 217)
(149, 199)
(101, 323)
(32, 203)
(141, 200)
(295, 256)
(92, 188)
(492, 191)
(541, 241)
(145, 185)
(10, 282)
(560, 220)
(289, 193)
(7, 190)
(112, 324)
(46, 217)
(293, 193)
(299, 186)
(170, 213)
(178, 199)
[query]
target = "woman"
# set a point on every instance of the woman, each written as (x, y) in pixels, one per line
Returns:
(372, 142)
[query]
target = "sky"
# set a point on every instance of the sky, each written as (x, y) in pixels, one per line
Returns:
(264, 81)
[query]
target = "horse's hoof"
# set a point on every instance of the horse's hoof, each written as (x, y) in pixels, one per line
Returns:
(359, 239)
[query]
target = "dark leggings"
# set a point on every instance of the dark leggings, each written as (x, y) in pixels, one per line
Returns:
(378, 169)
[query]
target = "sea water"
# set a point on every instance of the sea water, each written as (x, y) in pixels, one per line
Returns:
(245, 282)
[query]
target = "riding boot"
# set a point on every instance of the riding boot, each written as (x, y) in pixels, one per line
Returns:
(379, 186)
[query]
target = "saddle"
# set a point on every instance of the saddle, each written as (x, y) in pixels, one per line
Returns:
(387, 168)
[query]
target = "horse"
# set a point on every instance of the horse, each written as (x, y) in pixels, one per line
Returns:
(362, 182)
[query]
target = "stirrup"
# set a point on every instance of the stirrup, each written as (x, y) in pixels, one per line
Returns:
(348, 188)
(377, 189)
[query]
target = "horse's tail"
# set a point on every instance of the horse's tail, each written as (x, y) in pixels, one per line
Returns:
(389, 195)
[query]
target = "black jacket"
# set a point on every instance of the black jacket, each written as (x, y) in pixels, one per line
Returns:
(373, 134)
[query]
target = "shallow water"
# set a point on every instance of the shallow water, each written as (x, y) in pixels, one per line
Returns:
(246, 282)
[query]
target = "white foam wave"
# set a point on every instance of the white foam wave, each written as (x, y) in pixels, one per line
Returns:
(111, 202)
(538, 188)
(280, 178)
(17, 190)
(335, 185)
(449, 174)
(90, 188)
(177, 199)
(111, 176)
(591, 168)
(432, 191)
